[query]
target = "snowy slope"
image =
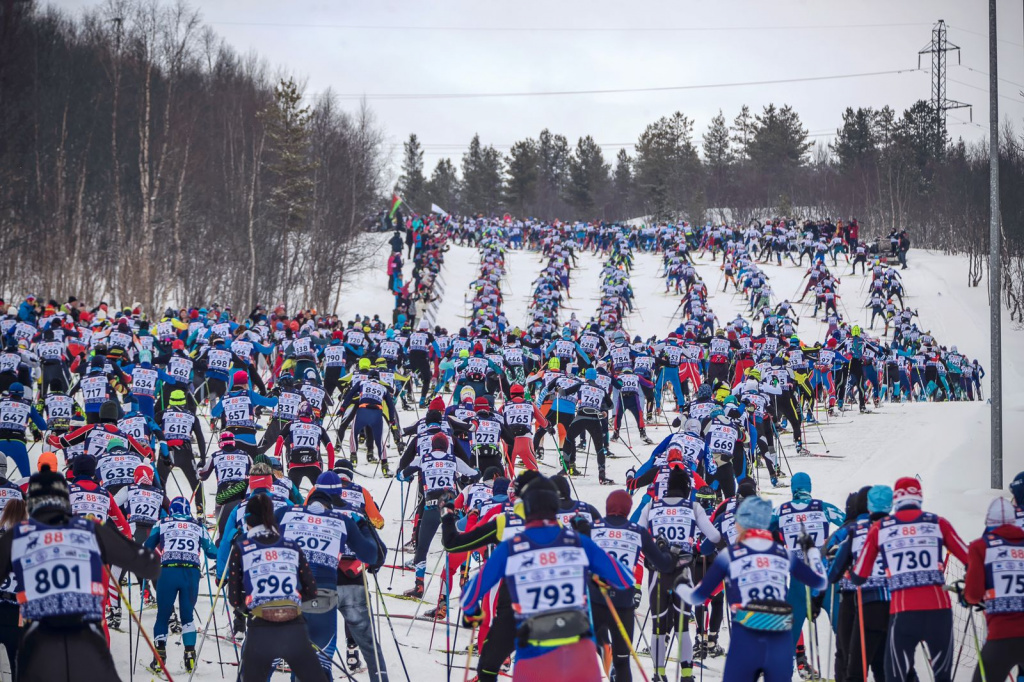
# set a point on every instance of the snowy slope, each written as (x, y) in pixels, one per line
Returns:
(946, 444)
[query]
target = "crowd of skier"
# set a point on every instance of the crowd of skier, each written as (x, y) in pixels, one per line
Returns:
(121, 401)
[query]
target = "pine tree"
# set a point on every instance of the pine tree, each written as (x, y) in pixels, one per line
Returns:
(521, 184)
(552, 173)
(412, 183)
(482, 178)
(718, 160)
(289, 168)
(667, 167)
(622, 186)
(588, 179)
(444, 187)
(779, 139)
(855, 143)
(742, 133)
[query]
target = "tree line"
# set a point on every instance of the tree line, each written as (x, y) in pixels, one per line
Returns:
(144, 160)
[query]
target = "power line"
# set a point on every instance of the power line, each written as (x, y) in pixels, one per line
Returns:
(985, 35)
(975, 87)
(985, 74)
(561, 29)
(668, 88)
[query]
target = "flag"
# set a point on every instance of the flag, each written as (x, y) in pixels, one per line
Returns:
(434, 208)
(396, 201)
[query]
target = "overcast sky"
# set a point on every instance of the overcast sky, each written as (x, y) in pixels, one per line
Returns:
(428, 47)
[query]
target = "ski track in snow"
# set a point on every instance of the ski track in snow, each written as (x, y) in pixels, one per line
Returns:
(946, 444)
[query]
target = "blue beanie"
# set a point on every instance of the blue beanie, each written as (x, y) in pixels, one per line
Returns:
(500, 487)
(754, 513)
(16, 389)
(880, 499)
(329, 482)
(800, 482)
(590, 374)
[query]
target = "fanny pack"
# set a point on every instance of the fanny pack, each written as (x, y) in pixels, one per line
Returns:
(554, 628)
(277, 611)
(325, 601)
(765, 615)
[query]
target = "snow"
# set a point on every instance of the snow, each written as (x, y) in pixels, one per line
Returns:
(946, 444)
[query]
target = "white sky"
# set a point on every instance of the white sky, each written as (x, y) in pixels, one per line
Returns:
(441, 47)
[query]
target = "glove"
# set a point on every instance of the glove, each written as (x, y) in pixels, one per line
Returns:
(165, 459)
(581, 525)
(448, 510)
(238, 624)
(662, 543)
(36, 436)
(806, 543)
(473, 619)
(631, 481)
(636, 599)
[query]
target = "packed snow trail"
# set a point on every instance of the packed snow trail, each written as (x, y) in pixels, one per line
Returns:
(946, 444)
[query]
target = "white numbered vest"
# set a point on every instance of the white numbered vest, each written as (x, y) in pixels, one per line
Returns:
(549, 577)
(487, 433)
(178, 424)
(14, 414)
(518, 414)
(438, 471)
(90, 504)
(144, 502)
(912, 551)
(271, 572)
(238, 411)
(59, 569)
(134, 426)
(811, 516)
(143, 381)
(1004, 574)
(621, 543)
(118, 469)
(320, 533)
(759, 575)
(94, 389)
(231, 466)
(673, 521)
(218, 360)
(182, 541)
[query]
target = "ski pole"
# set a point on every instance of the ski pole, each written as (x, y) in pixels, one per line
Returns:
(213, 606)
(810, 639)
(863, 642)
(138, 622)
(373, 630)
(387, 617)
(977, 644)
(469, 653)
(622, 629)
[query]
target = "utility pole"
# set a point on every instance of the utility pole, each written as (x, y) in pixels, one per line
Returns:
(995, 269)
(937, 48)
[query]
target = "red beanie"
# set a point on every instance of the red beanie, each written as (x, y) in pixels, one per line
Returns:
(439, 442)
(907, 493)
(241, 377)
(618, 503)
(436, 404)
(481, 404)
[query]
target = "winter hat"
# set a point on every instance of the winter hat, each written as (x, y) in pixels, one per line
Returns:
(678, 483)
(540, 499)
(590, 374)
(754, 513)
(227, 440)
(240, 378)
(880, 499)
(907, 493)
(330, 481)
(746, 488)
(16, 389)
(618, 503)
(1000, 512)
(800, 482)
(46, 459)
(561, 484)
(439, 442)
(260, 476)
(343, 467)
(500, 487)
(1017, 488)
(143, 475)
(83, 466)
(109, 412)
(523, 480)
(436, 404)
(48, 490)
(177, 398)
(491, 473)
(481, 404)
(862, 500)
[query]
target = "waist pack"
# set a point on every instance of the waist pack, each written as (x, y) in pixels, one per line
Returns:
(765, 615)
(277, 611)
(554, 628)
(325, 601)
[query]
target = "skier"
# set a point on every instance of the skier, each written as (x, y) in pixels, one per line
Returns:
(326, 534)
(179, 426)
(546, 569)
(65, 640)
(179, 538)
(761, 619)
(301, 439)
(268, 579)
(16, 415)
(232, 467)
(920, 609)
(623, 541)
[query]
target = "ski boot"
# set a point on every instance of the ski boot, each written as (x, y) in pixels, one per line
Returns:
(686, 671)
(353, 457)
(582, 445)
(384, 469)
(700, 648)
(423, 402)
(615, 434)
(410, 546)
(540, 452)
(370, 456)
(571, 470)
(438, 613)
(713, 647)
(148, 600)
(650, 415)
(174, 624)
(803, 666)
(417, 591)
(645, 438)
(352, 658)
(161, 656)
(405, 405)
(801, 450)
(190, 659)
(114, 617)
(602, 479)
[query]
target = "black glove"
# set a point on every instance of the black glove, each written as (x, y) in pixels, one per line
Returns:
(806, 543)
(581, 525)
(636, 599)
(662, 543)
(238, 624)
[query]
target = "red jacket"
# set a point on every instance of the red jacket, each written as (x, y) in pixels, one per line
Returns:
(1000, 625)
(926, 597)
